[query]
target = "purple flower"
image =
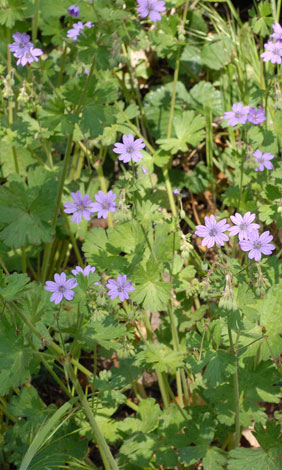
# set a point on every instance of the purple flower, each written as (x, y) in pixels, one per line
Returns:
(119, 288)
(74, 11)
(105, 204)
(86, 271)
(144, 170)
(213, 232)
(257, 245)
(239, 114)
(61, 288)
(273, 52)
(263, 160)
(29, 56)
(76, 30)
(277, 32)
(256, 116)
(80, 207)
(176, 191)
(151, 8)
(129, 149)
(21, 45)
(243, 225)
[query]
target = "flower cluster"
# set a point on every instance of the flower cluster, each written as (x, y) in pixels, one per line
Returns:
(273, 50)
(240, 114)
(85, 207)
(24, 50)
(77, 29)
(130, 149)
(63, 288)
(249, 239)
(152, 8)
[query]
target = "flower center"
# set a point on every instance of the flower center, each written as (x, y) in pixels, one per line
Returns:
(257, 245)
(260, 159)
(120, 289)
(21, 44)
(105, 205)
(212, 232)
(62, 289)
(130, 149)
(243, 227)
(238, 115)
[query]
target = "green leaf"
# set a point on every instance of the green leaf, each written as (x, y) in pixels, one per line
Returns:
(15, 358)
(271, 311)
(188, 130)
(269, 436)
(213, 457)
(104, 333)
(160, 357)
(217, 54)
(13, 286)
(138, 449)
(255, 459)
(150, 292)
(204, 96)
(150, 414)
(157, 107)
(26, 210)
(14, 12)
(95, 117)
(220, 366)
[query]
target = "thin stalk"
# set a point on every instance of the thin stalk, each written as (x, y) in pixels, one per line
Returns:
(237, 436)
(152, 150)
(35, 21)
(148, 242)
(48, 246)
(106, 454)
(51, 345)
(73, 240)
(23, 259)
(175, 339)
(278, 11)
(160, 377)
(73, 163)
(79, 166)
(3, 266)
(61, 73)
(176, 71)
(183, 412)
(51, 371)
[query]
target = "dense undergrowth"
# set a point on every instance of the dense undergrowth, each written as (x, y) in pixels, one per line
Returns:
(140, 235)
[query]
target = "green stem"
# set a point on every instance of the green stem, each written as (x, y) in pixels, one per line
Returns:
(148, 242)
(106, 454)
(35, 21)
(51, 345)
(73, 240)
(64, 56)
(236, 391)
(160, 377)
(176, 71)
(58, 203)
(175, 341)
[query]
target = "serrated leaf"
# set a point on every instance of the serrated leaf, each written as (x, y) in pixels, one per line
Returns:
(160, 357)
(255, 459)
(220, 366)
(104, 333)
(15, 359)
(13, 285)
(205, 96)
